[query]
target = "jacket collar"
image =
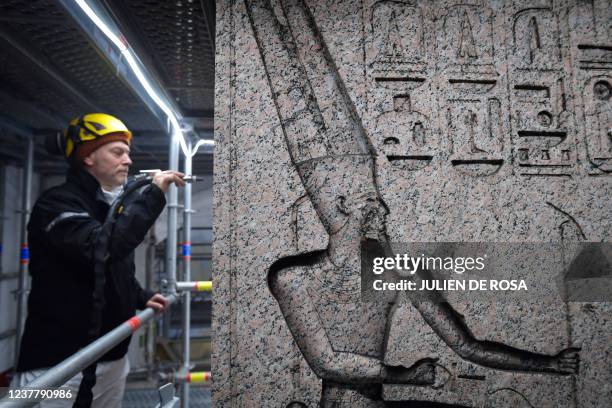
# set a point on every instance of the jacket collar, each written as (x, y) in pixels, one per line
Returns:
(83, 179)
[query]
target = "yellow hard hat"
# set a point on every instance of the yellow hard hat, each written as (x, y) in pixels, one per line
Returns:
(88, 132)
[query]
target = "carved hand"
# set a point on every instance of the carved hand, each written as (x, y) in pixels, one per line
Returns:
(422, 373)
(567, 361)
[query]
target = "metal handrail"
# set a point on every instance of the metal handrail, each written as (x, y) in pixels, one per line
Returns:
(76, 363)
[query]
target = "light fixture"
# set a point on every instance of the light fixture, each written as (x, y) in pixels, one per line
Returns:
(131, 59)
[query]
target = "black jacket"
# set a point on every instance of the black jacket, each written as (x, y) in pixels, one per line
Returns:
(62, 233)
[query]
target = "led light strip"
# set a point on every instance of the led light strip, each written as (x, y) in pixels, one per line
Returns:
(130, 58)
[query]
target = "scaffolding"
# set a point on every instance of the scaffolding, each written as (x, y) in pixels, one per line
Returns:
(22, 274)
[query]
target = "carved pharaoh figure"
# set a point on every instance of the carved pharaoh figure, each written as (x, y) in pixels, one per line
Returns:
(341, 338)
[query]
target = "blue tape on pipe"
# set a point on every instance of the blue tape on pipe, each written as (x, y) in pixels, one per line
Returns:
(25, 253)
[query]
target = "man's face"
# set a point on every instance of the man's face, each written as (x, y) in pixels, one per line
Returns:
(109, 164)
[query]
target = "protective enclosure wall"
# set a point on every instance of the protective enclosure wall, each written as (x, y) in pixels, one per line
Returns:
(461, 121)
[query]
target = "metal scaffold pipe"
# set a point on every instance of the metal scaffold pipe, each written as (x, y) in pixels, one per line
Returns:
(151, 329)
(195, 286)
(2, 219)
(187, 277)
(24, 256)
(171, 241)
(76, 363)
(194, 377)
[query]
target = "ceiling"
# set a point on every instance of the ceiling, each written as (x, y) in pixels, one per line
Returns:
(50, 72)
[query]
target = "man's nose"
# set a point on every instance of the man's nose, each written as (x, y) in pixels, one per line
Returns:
(127, 160)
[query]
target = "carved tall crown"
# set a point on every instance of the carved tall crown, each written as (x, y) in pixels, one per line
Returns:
(333, 157)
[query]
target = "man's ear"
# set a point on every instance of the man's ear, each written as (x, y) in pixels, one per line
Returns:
(341, 205)
(89, 160)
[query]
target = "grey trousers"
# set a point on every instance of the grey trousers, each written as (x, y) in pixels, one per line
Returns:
(107, 393)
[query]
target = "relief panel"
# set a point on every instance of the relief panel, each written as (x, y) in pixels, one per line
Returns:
(492, 90)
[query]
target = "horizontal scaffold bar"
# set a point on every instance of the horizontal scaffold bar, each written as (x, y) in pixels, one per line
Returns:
(195, 286)
(195, 377)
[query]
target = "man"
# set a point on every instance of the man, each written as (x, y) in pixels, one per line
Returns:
(63, 232)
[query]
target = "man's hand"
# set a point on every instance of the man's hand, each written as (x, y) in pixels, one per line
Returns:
(158, 303)
(165, 178)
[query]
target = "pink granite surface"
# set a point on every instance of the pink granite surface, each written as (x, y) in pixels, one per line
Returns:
(472, 121)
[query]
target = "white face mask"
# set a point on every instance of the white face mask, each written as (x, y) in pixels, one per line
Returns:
(111, 196)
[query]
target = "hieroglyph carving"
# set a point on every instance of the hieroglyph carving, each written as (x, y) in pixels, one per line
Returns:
(407, 138)
(399, 68)
(397, 37)
(535, 40)
(465, 40)
(472, 94)
(598, 122)
(589, 28)
(543, 125)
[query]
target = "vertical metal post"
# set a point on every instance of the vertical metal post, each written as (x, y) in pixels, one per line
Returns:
(187, 211)
(172, 214)
(172, 218)
(24, 257)
(150, 330)
(2, 214)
